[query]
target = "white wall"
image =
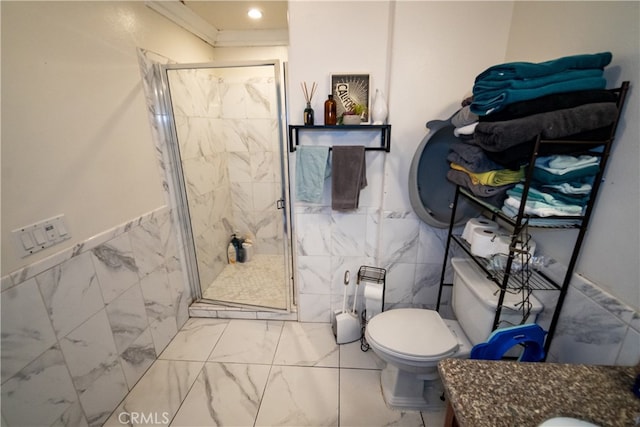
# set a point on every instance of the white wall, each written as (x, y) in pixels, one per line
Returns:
(541, 31)
(75, 137)
(424, 58)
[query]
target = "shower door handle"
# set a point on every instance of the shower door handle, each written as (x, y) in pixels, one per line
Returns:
(280, 204)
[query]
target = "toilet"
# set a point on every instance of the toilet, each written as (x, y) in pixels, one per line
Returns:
(412, 341)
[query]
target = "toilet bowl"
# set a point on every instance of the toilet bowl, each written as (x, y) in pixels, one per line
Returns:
(412, 341)
(410, 379)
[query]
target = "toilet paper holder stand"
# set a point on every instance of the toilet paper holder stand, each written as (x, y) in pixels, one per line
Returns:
(374, 275)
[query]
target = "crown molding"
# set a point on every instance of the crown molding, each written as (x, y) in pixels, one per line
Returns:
(181, 15)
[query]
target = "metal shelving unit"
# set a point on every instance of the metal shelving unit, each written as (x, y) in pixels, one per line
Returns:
(509, 279)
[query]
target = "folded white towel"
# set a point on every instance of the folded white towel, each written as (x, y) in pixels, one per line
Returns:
(561, 164)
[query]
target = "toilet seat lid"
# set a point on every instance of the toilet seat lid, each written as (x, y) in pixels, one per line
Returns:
(412, 332)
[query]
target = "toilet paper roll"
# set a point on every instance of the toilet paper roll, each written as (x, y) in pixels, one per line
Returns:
(477, 224)
(373, 293)
(484, 243)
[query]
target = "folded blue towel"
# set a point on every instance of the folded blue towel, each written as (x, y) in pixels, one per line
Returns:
(564, 76)
(520, 70)
(488, 102)
(311, 171)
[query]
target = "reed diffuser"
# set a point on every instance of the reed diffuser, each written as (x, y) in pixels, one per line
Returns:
(308, 96)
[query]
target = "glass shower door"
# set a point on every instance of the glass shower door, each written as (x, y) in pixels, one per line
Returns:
(230, 151)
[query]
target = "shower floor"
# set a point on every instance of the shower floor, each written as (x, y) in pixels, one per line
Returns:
(260, 282)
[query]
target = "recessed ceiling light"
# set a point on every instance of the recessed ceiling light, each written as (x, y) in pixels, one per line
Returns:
(254, 13)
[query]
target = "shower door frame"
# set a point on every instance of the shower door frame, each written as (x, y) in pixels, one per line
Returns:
(169, 132)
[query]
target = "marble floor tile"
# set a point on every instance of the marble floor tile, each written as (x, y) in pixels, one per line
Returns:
(158, 394)
(307, 344)
(195, 340)
(248, 341)
(352, 356)
(358, 408)
(225, 394)
(262, 373)
(300, 396)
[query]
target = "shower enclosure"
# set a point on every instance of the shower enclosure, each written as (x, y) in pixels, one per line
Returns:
(226, 146)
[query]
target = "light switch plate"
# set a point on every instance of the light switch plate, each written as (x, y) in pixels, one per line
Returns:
(36, 237)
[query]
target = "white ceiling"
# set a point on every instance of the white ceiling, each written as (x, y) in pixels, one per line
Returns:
(232, 15)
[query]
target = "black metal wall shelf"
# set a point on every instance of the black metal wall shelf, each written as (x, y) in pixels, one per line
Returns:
(385, 134)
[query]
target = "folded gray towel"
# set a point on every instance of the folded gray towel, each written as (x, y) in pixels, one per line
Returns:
(499, 136)
(348, 171)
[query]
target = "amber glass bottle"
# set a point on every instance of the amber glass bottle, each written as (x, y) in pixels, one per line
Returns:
(330, 117)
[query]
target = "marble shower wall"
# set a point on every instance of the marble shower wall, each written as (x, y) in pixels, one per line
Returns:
(228, 136)
(81, 327)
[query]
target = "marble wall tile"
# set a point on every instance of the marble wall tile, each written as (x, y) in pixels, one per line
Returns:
(264, 166)
(259, 134)
(586, 332)
(224, 394)
(146, 242)
(127, 317)
(313, 234)
(160, 307)
(234, 98)
(26, 329)
(341, 264)
(427, 284)
(233, 135)
(268, 229)
(40, 393)
(401, 287)
(312, 273)
(242, 196)
(71, 293)
(138, 357)
(400, 237)
(92, 358)
(629, 354)
(314, 308)
(348, 234)
(265, 197)
(431, 244)
(115, 267)
(239, 163)
(372, 232)
(602, 298)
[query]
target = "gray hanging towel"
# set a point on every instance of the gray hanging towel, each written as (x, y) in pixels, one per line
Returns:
(349, 176)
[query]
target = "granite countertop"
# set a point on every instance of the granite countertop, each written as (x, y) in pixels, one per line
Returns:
(505, 393)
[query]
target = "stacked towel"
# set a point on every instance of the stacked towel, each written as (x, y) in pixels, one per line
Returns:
(560, 187)
(514, 104)
(505, 84)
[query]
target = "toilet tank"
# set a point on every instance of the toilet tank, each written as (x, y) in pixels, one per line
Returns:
(475, 299)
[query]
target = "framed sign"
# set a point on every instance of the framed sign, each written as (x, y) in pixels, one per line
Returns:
(349, 89)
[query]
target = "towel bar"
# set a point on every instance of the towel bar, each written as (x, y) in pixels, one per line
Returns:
(385, 134)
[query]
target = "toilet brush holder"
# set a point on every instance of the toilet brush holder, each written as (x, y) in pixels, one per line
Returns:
(345, 324)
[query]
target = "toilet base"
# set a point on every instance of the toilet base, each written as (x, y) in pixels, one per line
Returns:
(407, 391)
